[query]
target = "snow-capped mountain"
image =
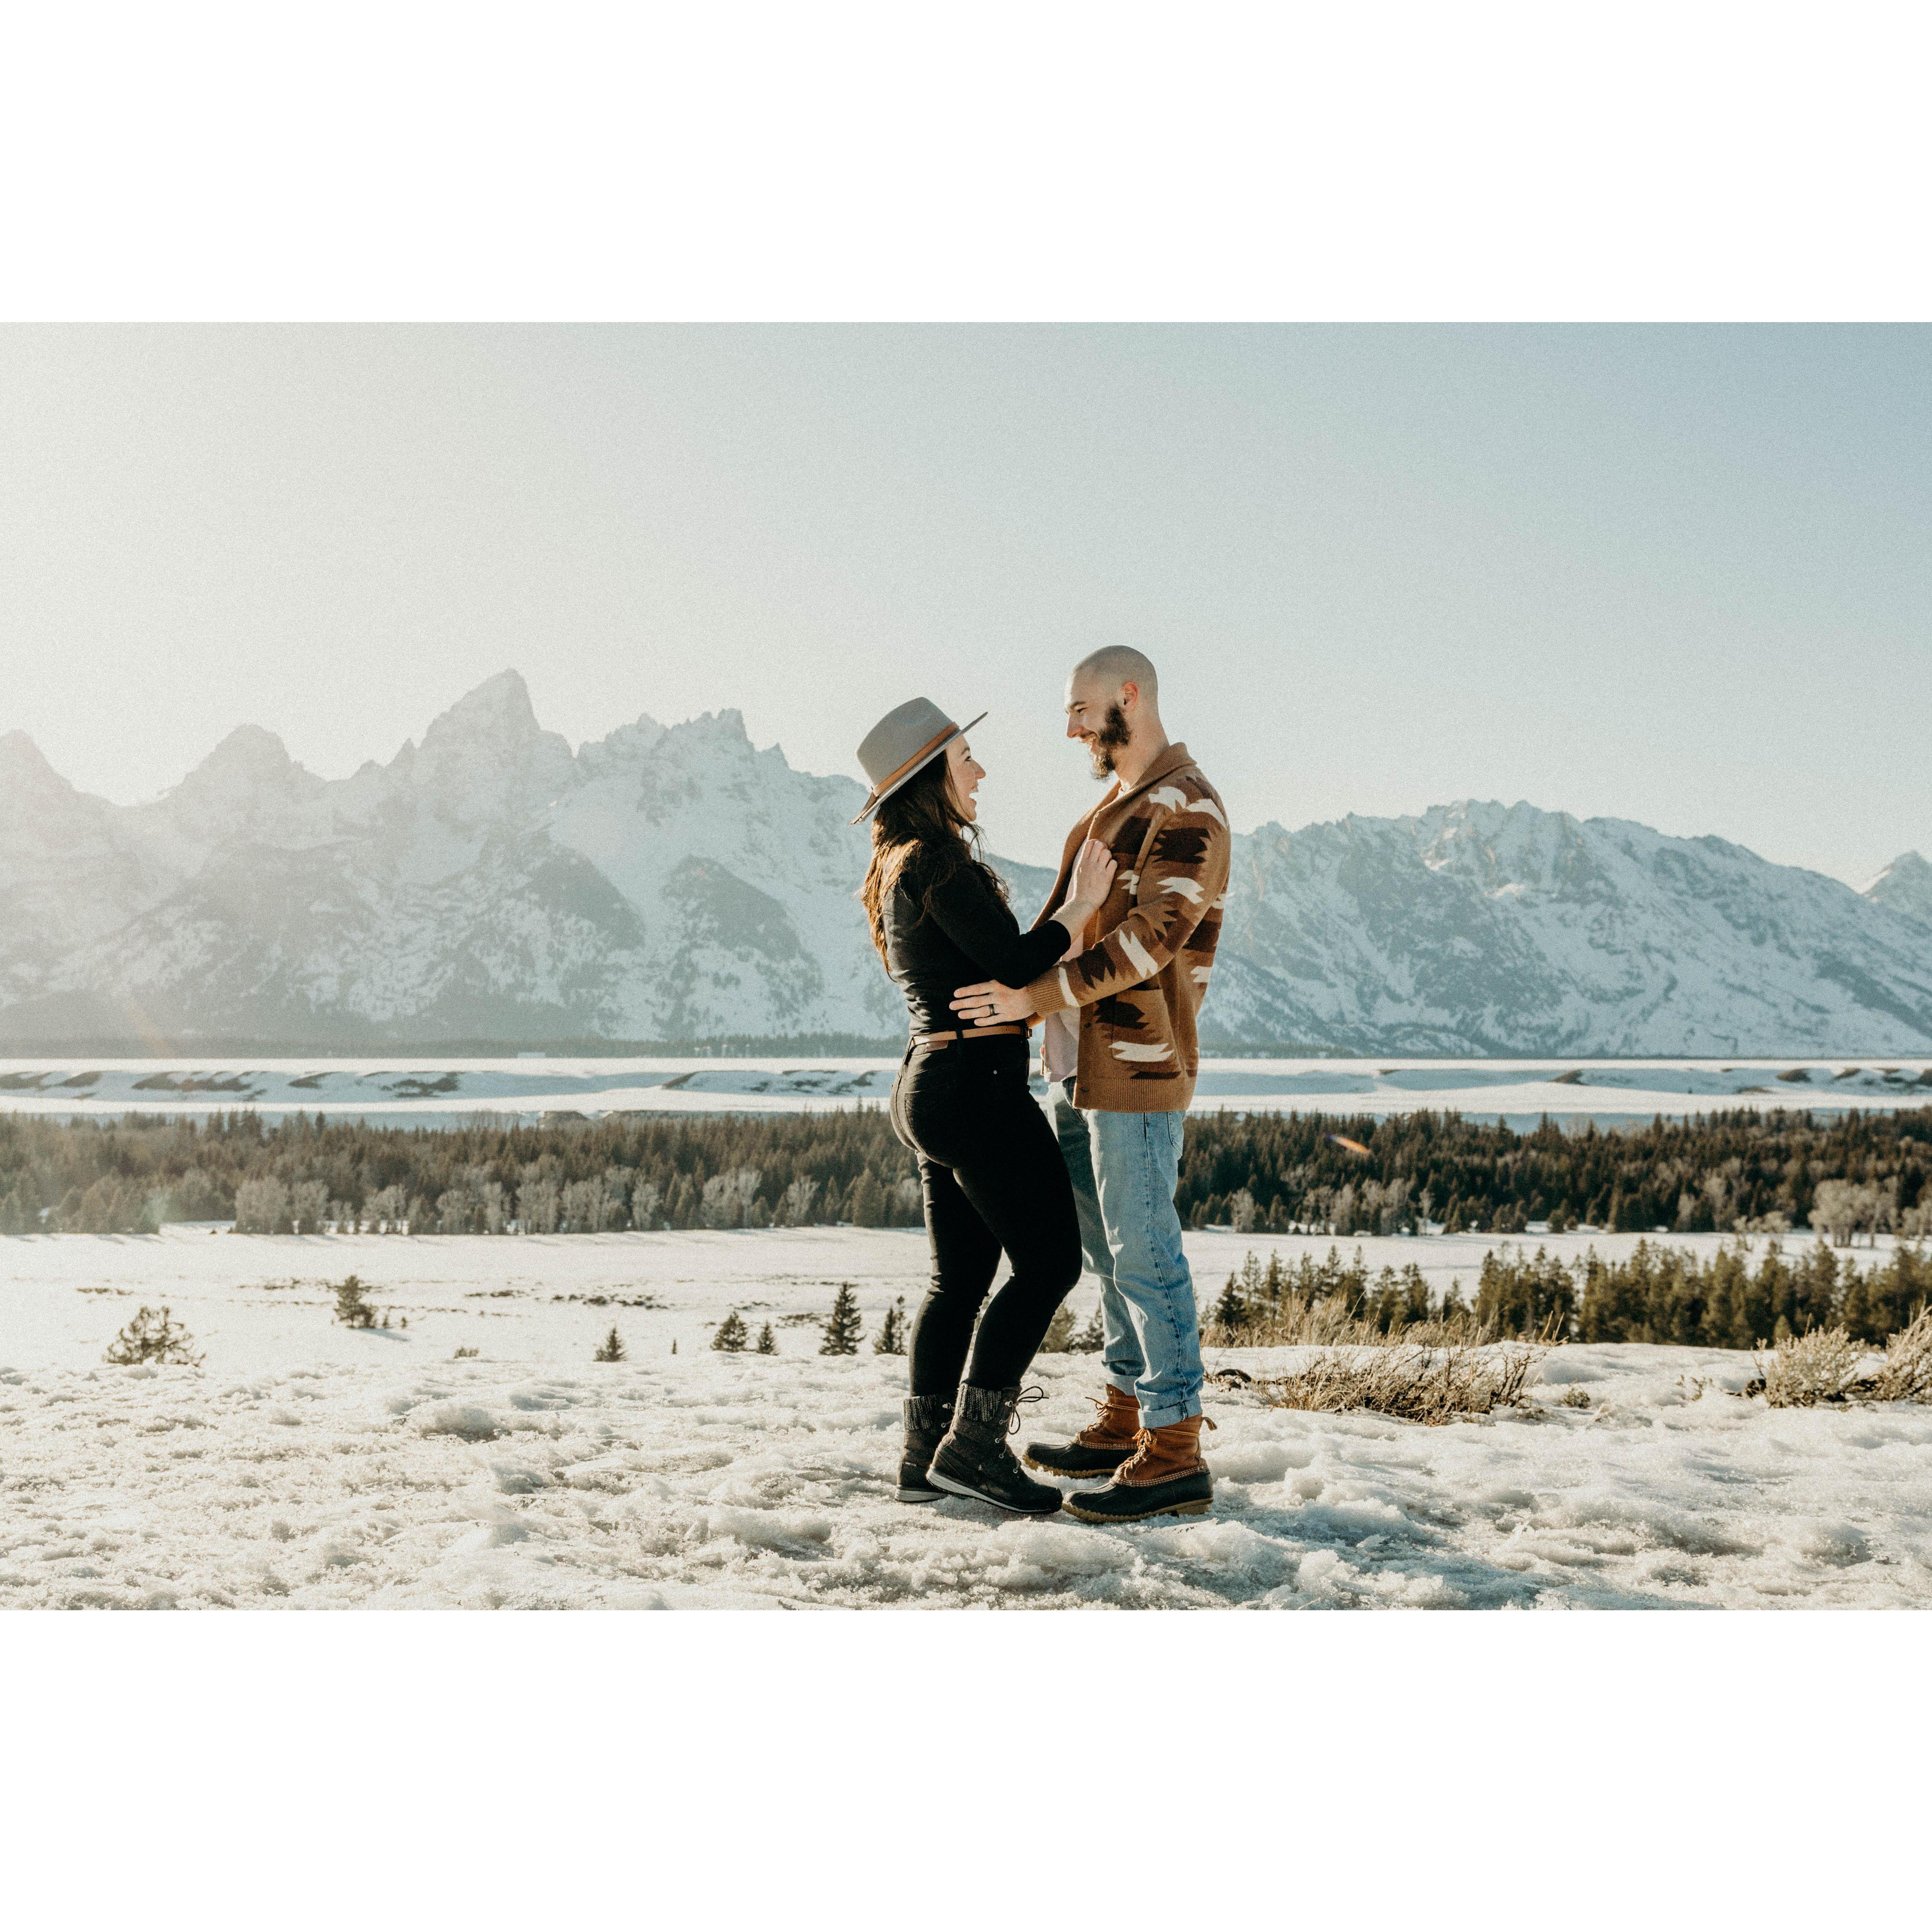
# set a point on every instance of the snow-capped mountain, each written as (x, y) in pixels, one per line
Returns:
(677, 884)
(489, 884)
(1905, 886)
(1486, 929)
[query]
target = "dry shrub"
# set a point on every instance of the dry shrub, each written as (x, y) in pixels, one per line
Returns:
(1906, 1375)
(1332, 1322)
(1821, 1366)
(1410, 1381)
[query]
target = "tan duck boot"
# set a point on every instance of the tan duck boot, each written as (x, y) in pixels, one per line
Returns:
(1100, 1448)
(1165, 1476)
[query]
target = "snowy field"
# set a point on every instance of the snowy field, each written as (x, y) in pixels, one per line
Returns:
(440, 1093)
(307, 1465)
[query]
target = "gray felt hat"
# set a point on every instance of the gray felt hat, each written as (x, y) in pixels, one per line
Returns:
(902, 743)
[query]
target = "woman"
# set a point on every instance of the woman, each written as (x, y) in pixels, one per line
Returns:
(989, 1167)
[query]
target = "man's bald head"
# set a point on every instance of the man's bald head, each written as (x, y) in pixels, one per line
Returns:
(1117, 665)
(1113, 703)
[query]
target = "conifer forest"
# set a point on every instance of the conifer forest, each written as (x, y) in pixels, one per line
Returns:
(1854, 1174)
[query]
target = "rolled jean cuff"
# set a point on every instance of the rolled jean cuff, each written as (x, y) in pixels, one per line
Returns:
(1163, 1418)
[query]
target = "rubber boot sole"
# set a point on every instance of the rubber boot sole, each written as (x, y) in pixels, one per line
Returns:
(1072, 1507)
(1075, 1475)
(916, 1496)
(952, 1488)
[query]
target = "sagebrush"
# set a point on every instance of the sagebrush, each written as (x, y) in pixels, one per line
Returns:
(1825, 1367)
(1411, 1381)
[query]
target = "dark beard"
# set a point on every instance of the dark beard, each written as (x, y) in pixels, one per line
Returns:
(1112, 737)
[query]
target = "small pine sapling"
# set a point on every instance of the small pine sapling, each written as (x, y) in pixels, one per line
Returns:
(890, 1340)
(352, 1306)
(1231, 1311)
(463, 1355)
(1092, 1339)
(150, 1337)
(842, 1325)
(1059, 1335)
(768, 1342)
(732, 1334)
(611, 1349)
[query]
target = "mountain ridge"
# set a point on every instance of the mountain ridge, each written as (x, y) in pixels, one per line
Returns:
(675, 884)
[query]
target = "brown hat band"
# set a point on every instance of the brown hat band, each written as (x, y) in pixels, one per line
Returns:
(925, 751)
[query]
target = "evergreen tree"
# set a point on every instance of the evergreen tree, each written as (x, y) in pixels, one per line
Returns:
(352, 1306)
(684, 1202)
(867, 1207)
(1736, 1171)
(1231, 1311)
(1059, 1337)
(768, 1342)
(1274, 1281)
(890, 1340)
(612, 1348)
(732, 1334)
(1092, 1339)
(842, 1325)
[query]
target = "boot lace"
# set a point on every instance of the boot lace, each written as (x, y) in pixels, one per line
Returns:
(1028, 1395)
(1144, 1445)
(1097, 1434)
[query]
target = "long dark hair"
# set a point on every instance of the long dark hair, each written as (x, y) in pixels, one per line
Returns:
(922, 820)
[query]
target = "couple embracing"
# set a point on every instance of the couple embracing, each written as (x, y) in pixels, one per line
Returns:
(1115, 966)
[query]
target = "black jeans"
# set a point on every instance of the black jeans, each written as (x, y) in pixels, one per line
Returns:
(992, 1175)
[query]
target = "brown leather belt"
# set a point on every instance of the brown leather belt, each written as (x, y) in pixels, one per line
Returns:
(938, 1039)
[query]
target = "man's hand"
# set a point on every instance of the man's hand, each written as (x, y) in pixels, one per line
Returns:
(991, 1004)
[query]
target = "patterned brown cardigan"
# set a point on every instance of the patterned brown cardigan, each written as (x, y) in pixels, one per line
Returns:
(1139, 988)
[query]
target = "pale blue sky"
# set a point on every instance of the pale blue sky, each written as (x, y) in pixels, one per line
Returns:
(1682, 574)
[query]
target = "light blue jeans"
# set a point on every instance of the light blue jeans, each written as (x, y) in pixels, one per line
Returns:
(1124, 1169)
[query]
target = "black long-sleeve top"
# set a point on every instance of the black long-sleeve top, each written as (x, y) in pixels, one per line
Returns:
(969, 935)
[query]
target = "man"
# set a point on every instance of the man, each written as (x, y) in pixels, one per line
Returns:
(1121, 1057)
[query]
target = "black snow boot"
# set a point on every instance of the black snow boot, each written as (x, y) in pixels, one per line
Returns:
(973, 1460)
(928, 1418)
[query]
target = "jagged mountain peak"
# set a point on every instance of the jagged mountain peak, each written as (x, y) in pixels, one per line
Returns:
(625, 745)
(486, 759)
(248, 756)
(1908, 865)
(252, 744)
(679, 883)
(499, 709)
(1905, 887)
(247, 790)
(22, 760)
(725, 727)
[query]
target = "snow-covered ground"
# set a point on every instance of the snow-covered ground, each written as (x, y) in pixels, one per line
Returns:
(307, 1464)
(414, 1091)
